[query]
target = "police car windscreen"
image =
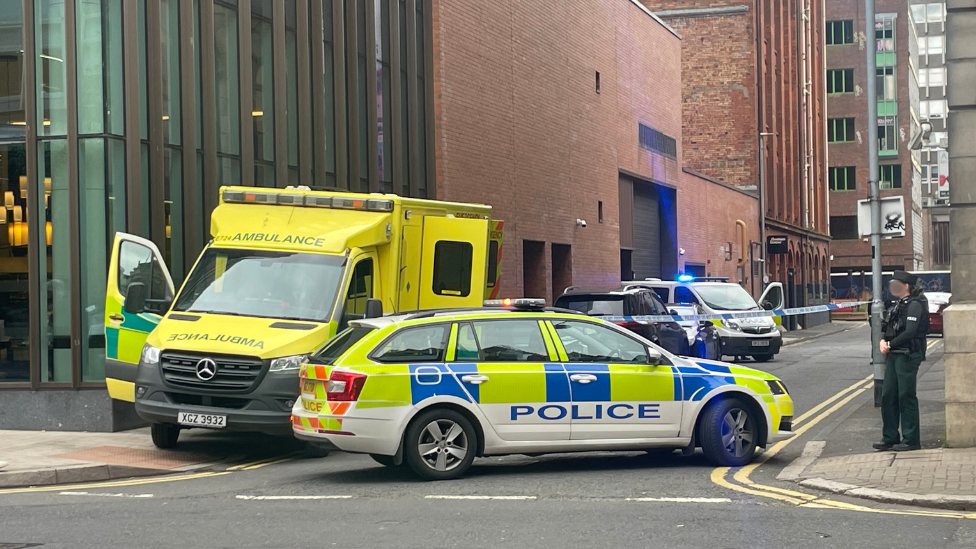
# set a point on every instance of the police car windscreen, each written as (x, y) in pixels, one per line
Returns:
(602, 305)
(283, 285)
(726, 297)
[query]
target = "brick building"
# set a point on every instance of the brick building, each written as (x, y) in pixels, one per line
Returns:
(752, 73)
(555, 112)
(897, 100)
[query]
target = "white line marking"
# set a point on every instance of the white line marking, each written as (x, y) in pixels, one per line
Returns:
(811, 452)
(97, 495)
(681, 500)
(249, 498)
(518, 498)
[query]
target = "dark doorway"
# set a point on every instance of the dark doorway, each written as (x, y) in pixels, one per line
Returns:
(626, 265)
(695, 270)
(533, 269)
(562, 269)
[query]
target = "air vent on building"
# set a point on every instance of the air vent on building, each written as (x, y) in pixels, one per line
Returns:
(656, 141)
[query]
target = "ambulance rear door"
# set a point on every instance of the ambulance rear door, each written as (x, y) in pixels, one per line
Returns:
(453, 263)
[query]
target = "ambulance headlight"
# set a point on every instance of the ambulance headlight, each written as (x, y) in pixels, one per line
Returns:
(287, 363)
(733, 324)
(150, 355)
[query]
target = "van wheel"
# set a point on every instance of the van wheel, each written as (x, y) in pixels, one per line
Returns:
(728, 433)
(440, 444)
(762, 358)
(313, 451)
(386, 461)
(164, 435)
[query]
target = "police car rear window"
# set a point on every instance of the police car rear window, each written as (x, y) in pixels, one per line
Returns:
(609, 305)
(339, 345)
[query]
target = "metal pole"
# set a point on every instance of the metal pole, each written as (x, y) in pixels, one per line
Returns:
(762, 210)
(877, 359)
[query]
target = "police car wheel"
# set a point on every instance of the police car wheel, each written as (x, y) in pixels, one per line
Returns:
(386, 461)
(164, 435)
(728, 433)
(440, 444)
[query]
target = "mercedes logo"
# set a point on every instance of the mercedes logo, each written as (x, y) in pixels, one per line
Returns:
(206, 369)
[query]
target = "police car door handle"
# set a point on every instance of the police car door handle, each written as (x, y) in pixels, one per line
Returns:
(582, 378)
(474, 380)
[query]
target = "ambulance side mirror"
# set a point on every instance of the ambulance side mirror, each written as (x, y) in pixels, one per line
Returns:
(374, 308)
(135, 298)
(653, 356)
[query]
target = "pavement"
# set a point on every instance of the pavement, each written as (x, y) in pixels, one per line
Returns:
(796, 336)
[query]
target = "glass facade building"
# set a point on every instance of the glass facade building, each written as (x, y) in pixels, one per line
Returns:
(128, 115)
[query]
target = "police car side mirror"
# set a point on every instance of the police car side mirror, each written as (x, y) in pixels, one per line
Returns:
(135, 298)
(374, 308)
(653, 356)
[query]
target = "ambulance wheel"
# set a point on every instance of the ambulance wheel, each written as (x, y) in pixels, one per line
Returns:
(762, 358)
(386, 461)
(164, 435)
(728, 433)
(440, 444)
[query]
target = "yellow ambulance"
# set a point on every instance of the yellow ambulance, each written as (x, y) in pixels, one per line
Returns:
(286, 270)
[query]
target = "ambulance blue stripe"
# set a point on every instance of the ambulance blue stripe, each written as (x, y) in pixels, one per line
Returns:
(595, 391)
(471, 388)
(695, 387)
(427, 383)
(557, 384)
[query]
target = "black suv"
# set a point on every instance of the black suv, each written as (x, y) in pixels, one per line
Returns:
(633, 302)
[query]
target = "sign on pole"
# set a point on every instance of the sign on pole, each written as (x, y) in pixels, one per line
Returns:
(892, 217)
(943, 174)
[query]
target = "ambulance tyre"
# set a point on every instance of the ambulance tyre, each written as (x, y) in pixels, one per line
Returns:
(386, 461)
(728, 433)
(440, 444)
(164, 435)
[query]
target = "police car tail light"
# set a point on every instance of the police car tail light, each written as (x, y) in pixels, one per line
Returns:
(345, 386)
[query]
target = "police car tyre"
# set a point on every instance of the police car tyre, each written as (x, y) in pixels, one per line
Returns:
(164, 435)
(440, 444)
(762, 358)
(386, 461)
(728, 433)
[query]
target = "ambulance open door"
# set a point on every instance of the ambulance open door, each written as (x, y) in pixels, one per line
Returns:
(454, 262)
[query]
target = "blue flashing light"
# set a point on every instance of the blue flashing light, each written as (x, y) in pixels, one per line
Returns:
(685, 278)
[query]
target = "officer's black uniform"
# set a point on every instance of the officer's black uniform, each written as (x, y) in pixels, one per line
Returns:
(905, 328)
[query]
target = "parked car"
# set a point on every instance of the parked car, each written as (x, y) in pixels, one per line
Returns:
(634, 302)
(702, 335)
(938, 301)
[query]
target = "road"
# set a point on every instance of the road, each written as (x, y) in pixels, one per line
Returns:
(578, 500)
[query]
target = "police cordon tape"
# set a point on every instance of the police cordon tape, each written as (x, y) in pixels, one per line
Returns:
(744, 314)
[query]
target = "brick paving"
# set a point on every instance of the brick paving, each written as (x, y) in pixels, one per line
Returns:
(948, 471)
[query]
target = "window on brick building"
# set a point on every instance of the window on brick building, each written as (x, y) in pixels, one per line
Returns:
(843, 227)
(890, 176)
(840, 130)
(843, 178)
(884, 33)
(887, 135)
(887, 85)
(840, 81)
(840, 32)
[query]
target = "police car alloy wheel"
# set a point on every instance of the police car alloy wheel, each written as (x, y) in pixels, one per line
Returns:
(728, 433)
(440, 444)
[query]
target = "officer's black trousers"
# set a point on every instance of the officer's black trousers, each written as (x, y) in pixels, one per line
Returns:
(898, 398)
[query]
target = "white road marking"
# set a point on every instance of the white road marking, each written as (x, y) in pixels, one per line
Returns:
(681, 500)
(98, 495)
(519, 498)
(270, 498)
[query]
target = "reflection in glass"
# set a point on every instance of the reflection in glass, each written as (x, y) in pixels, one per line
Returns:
(173, 182)
(14, 286)
(169, 19)
(383, 95)
(421, 101)
(404, 100)
(291, 81)
(13, 122)
(143, 91)
(262, 113)
(226, 80)
(100, 82)
(364, 131)
(328, 91)
(52, 109)
(55, 264)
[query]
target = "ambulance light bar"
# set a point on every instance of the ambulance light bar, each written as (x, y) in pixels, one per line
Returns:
(522, 303)
(292, 199)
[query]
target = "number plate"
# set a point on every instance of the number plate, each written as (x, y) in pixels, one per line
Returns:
(308, 387)
(760, 343)
(202, 420)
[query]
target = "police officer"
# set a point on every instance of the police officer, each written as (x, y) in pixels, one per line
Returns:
(905, 327)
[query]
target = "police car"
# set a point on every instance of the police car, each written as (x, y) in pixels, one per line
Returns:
(435, 389)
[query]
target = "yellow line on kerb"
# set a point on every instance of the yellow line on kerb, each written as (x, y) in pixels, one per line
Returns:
(110, 484)
(747, 486)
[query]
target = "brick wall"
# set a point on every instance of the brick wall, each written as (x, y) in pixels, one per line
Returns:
(519, 124)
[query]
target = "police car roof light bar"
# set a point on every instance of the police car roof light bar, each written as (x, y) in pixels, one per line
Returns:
(520, 303)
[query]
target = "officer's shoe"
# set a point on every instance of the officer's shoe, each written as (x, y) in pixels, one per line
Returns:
(882, 446)
(906, 447)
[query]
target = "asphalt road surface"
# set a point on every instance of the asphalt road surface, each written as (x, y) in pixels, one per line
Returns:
(617, 500)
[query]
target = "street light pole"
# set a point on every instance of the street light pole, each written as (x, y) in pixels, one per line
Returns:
(877, 359)
(762, 209)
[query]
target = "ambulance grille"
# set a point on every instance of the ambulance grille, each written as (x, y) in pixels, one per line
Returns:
(235, 374)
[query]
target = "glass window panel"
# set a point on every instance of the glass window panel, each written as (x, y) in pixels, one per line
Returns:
(13, 122)
(15, 301)
(383, 94)
(328, 100)
(935, 45)
(170, 77)
(405, 100)
(262, 83)
(228, 171)
(936, 13)
(923, 77)
(918, 13)
(291, 81)
(144, 218)
(173, 210)
(55, 264)
(100, 83)
(226, 80)
(364, 131)
(196, 77)
(421, 100)
(264, 175)
(936, 77)
(94, 179)
(51, 75)
(143, 90)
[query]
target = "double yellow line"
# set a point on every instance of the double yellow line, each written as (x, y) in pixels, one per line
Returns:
(742, 483)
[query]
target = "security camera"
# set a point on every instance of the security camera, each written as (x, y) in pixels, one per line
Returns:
(580, 222)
